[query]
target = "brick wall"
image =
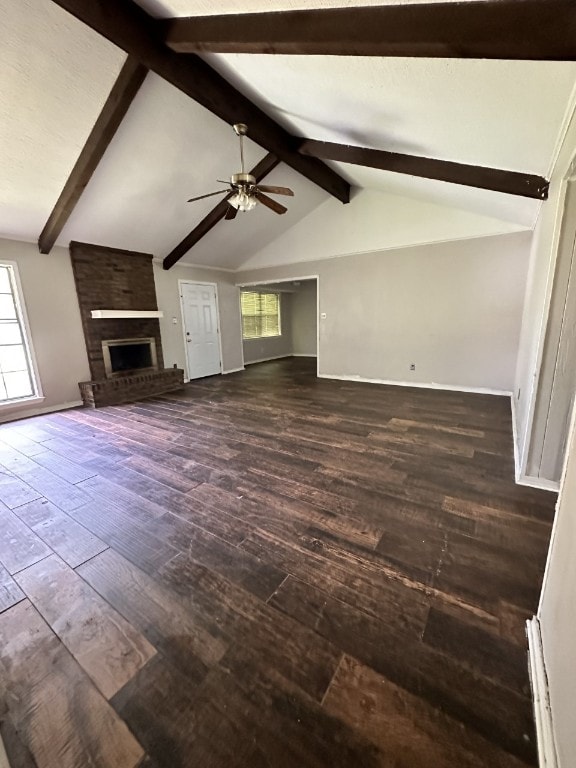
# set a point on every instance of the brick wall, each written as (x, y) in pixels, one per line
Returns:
(110, 278)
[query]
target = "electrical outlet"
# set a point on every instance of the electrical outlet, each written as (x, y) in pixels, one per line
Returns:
(412, 366)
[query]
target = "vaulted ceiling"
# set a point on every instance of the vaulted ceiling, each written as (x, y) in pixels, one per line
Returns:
(56, 74)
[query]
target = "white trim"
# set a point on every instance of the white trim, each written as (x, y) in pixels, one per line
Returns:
(278, 280)
(418, 385)
(547, 754)
(241, 326)
(553, 259)
(21, 402)
(15, 416)
(233, 370)
(538, 482)
(515, 436)
(301, 354)
(219, 326)
(288, 280)
(520, 478)
(266, 359)
(317, 325)
(569, 441)
(118, 314)
(215, 286)
(563, 131)
(20, 302)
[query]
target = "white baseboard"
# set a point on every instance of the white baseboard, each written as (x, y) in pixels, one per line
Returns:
(233, 370)
(303, 354)
(547, 755)
(17, 415)
(538, 482)
(266, 359)
(418, 385)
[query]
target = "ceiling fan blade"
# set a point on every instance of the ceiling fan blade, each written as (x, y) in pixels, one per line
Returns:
(275, 190)
(269, 203)
(210, 194)
(231, 213)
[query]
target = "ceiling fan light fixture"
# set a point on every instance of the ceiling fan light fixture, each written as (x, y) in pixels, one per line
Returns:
(243, 201)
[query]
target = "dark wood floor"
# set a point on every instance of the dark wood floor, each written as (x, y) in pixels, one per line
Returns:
(269, 570)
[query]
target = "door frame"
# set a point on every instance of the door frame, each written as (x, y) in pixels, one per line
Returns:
(256, 283)
(183, 324)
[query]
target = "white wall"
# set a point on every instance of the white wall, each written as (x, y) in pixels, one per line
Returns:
(256, 350)
(305, 319)
(529, 381)
(55, 325)
(168, 297)
(373, 221)
(557, 614)
(453, 309)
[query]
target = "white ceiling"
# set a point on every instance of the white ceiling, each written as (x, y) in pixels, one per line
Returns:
(55, 75)
(167, 150)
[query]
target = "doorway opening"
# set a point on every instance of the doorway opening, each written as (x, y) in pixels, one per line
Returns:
(280, 318)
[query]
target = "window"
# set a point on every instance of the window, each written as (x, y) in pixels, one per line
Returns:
(260, 314)
(16, 373)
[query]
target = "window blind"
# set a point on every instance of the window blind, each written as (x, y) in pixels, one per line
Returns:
(260, 314)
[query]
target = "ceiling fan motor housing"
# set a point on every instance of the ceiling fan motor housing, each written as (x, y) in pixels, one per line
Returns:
(243, 179)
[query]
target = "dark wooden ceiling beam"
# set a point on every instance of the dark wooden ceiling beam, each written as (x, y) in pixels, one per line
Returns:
(261, 170)
(510, 182)
(126, 25)
(119, 100)
(493, 29)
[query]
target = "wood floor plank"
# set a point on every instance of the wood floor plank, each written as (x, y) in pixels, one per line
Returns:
(19, 441)
(368, 585)
(61, 717)
(298, 652)
(410, 732)
(105, 645)
(479, 650)
(71, 471)
(14, 492)
(10, 592)
(19, 546)
(62, 493)
(172, 723)
(160, 614)
(120, 531)
(17, 753)
(64, 535)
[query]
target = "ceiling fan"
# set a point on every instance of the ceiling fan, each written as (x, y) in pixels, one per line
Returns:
(246, 192)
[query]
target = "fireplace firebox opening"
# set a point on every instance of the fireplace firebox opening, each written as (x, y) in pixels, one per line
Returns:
(123, 357)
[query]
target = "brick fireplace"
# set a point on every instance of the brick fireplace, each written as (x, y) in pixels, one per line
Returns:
(115, 279)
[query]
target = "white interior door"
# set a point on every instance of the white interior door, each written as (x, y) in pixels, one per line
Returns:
(200, 318)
